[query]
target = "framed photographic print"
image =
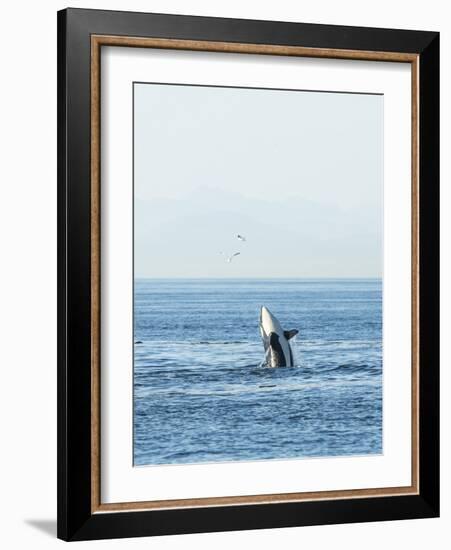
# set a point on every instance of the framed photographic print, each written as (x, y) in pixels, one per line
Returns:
(248, 274)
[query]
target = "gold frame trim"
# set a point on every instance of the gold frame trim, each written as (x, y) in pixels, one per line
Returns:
(97, 41)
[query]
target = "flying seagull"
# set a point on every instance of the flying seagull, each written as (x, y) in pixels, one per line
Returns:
(230, 258)
(241, 237)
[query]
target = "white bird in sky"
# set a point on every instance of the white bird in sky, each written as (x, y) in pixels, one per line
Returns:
(241, 238)
(230, 258)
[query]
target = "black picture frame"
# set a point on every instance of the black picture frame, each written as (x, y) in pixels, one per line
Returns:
(76, 521)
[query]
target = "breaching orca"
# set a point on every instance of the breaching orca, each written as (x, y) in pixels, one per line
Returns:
(276, 340)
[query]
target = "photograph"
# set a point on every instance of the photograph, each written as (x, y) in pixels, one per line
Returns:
(258, 274)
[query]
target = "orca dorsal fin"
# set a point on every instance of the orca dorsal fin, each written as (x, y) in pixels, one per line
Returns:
(290, 333)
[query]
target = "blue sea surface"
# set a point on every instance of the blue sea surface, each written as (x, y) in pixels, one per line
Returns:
(201, 394)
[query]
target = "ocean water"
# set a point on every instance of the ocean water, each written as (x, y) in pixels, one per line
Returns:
(201, 394)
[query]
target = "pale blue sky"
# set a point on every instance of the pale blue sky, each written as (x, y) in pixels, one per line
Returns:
(300, 174)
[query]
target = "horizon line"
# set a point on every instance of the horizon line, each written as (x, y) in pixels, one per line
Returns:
(263, 278)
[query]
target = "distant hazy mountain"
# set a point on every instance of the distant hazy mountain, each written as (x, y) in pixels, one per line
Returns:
(289, 237)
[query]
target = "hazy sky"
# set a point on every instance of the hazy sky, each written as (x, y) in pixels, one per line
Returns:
(299, 174)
